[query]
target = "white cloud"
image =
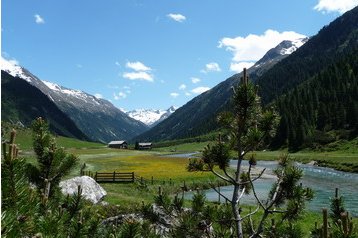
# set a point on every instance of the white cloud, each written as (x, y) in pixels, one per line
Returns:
(137, 66)
(238, 67)
(176, 17)
(98, 95)
(195, 80)
(117, 63)
(249, 49)
(39, 19)
(120, 95)
(141, 72)
(211, 67)
(340, 6)
(253, 47)
(174, 95)
(187, 94)
(138, 76)
(200, 90)
(182, 87)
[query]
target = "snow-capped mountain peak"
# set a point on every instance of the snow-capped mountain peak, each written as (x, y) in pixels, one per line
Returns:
(279, 52)
(293, 46)
(70, 92)
(12, 67)
(150, 117)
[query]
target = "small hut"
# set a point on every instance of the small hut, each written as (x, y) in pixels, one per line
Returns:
(144, 146)
(119, 144)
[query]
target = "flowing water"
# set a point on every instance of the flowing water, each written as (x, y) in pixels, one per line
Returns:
(322, 180)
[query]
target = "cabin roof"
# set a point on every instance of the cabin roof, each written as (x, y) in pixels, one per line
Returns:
(145, 144)
(117, 142)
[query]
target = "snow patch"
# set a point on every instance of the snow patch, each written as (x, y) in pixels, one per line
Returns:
(71, 92)
(295, 45)
(12, 67)
(150, 116)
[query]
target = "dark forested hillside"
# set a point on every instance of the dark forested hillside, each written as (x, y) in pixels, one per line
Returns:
(322, 109)
(333, 41)
(22, 102)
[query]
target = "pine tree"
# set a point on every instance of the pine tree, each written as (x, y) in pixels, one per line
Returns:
(28, 210)
(249, 126)
(53, 162)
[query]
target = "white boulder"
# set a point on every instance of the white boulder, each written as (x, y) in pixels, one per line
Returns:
(91, 190)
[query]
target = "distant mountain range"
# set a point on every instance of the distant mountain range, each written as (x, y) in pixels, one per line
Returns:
(96, 118)
(150, 117)
(281, 71)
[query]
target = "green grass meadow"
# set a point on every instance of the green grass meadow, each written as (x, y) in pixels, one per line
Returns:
(170, 173)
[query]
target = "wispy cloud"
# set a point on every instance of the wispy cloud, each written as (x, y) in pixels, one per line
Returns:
(174, 95)
(195, 80)
(39, 19)
(182, 87)
(120, 95)
(340, 6)
(138, 76)
(200, 90)
(127, 89)
(137, 66)
(247, 50)
(211, 67)
(141, 72)
(238, 67)
(177, 17)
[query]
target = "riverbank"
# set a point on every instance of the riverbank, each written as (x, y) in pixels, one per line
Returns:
(341, 155)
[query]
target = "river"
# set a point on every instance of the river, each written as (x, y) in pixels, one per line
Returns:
(322, 180)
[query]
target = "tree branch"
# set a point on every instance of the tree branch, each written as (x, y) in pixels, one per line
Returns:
(222, 195)
(253, 188)
(250, 214)
(229, 177)
(219, 175)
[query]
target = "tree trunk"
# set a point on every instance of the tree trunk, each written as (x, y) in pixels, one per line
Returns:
(235, 198)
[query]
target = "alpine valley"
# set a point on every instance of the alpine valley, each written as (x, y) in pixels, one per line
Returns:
(312, 82)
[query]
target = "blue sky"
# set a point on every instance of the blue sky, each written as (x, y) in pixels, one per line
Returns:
(152, 53)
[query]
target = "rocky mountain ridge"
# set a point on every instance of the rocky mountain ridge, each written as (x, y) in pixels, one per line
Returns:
(151, 117)
(97, 118)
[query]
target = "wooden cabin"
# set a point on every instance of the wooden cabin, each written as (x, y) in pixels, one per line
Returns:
(145, 146)
(118, 144)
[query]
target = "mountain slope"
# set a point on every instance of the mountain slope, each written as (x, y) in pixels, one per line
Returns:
(322, 109)
(331, 42)
(275, 74)
(198, 116)
(97, 118)
(32, 104)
